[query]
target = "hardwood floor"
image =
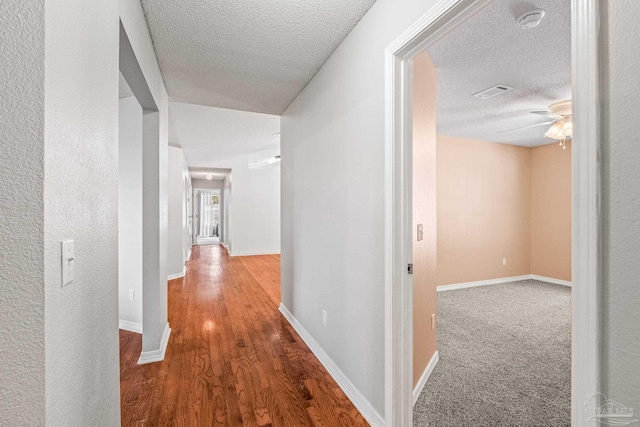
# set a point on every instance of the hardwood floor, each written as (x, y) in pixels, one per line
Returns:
(265, 269)
(232, 359)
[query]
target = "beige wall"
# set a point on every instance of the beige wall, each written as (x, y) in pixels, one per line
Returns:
(500, 201)
(551, 211)
(424, 212)
(484, 210)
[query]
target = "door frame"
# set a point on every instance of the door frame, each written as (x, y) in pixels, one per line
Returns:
(444, 17)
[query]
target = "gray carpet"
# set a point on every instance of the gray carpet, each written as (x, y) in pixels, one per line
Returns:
(505, 358)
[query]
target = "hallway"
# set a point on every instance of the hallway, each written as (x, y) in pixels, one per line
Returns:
(232, 359)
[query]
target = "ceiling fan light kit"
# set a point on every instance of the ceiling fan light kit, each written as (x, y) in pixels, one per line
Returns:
(562, 129)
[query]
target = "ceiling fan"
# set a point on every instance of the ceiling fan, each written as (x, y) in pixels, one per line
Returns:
(561, 122)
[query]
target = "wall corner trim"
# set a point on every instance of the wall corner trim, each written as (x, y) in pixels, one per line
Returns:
(483, 283)
(156, 355)
(125, 325)
(359, 401)
(551, 280)
(425, 376)
(501, 280)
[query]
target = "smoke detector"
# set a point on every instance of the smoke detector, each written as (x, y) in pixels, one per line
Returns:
(530, 19)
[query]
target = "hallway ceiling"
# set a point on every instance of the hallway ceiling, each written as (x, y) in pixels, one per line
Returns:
(209, 134)
(491, 49)
(246, 55)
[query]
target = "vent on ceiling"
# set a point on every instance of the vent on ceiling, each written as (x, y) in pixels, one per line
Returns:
(492, 91)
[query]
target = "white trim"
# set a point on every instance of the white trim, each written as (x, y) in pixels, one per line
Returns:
(551, 280)
(177, 275)
(586, 312)
(445, 16)
(125, 325)
(358, 400)
(465, 285)
(253, 253)
(156, 355)
(425, 376)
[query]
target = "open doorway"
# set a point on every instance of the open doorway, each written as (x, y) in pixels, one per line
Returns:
(209, 205)
(208, 217)
(493, 187)
(402, 58)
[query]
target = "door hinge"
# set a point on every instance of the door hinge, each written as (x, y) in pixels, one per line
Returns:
(410, 269)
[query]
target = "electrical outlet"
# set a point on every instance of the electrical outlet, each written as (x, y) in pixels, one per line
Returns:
(504, 261)
(130, 294)
(433, 321)
(324, 317)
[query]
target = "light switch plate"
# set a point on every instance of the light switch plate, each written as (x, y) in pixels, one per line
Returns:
(68, 262)
(420, 232)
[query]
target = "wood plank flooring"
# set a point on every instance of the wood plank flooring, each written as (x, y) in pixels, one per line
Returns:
(232, 359)
(265, 269)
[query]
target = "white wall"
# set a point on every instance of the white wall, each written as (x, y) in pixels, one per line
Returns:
(333, 198)
(130, 214)
(333, 204)
(225, 237)
(204, 183)
(155, 176)
(22, 304)
(177, 220)
(80, 203)
(251, 210)
(621, 202)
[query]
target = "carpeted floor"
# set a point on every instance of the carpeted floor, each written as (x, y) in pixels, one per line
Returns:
(505, 358)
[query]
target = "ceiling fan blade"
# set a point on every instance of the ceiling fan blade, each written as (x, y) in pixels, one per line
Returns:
(527, 127)
(547, 114)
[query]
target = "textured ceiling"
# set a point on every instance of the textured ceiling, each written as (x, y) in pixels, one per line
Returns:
(491, 49)
(245, 54)
(209, 134)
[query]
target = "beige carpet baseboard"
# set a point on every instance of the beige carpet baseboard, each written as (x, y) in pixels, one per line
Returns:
(501, 280)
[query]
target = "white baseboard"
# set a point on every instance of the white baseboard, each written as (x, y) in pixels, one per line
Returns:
(425, 376)
(156, 355)
(252, 253)
(178, 275)
(551, 280)
(125, 325)
(482, 283)
(501, 280)
(359, 401)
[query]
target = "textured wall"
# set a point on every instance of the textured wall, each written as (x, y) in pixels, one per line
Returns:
(22, 398)
(80, 203)
(484, 210)
(333, 198)
(551, 211)
(130, 211)
(155, 176)
(176, 216)
(203, 183)
(621, 202)
(424, 212)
